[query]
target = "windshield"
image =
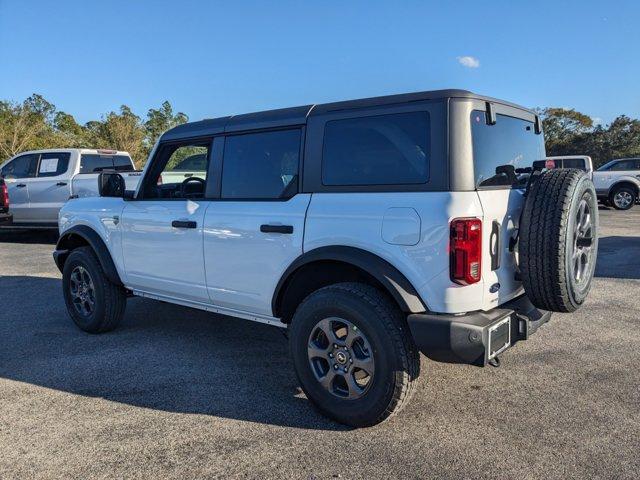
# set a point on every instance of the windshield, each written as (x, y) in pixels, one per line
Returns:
(502, 152)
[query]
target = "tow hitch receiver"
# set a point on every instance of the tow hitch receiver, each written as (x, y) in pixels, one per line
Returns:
(475, 338)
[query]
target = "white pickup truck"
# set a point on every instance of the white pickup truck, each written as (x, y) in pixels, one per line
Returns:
(40, 182)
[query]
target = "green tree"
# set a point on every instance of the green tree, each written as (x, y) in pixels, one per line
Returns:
(25, 126)
(561, 127)
(159, 121)
(119, 131)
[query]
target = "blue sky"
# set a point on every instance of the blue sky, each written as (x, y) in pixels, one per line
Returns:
(216, 58)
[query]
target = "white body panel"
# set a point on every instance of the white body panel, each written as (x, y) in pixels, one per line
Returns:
(243, 265)
(102, 215)
(362, 220)
(160, 258)
(504, 207)
(39, 199)
(604, 180)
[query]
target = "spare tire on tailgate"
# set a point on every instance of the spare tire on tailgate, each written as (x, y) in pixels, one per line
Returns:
(558, 240)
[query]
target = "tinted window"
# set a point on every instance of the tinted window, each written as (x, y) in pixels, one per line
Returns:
(53, 164)
(22, 167)
(261, 165)
(624, 165)
(570, 163)
(380, 150)
(500, 150)
(92, 163)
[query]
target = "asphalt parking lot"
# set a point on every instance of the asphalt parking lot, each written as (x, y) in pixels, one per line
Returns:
(178, 393)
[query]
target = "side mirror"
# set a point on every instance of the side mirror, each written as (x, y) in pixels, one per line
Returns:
(111, 184)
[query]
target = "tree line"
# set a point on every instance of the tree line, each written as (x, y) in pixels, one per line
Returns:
(36, 123)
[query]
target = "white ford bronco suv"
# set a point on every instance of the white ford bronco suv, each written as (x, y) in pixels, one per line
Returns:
(371, 229)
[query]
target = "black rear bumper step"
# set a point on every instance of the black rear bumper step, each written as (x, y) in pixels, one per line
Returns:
(471, 338)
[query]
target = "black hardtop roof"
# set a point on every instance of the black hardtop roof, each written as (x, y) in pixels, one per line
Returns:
(298, 115)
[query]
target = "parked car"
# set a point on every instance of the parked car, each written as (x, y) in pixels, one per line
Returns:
(618, 182)
(581, 162)
(39, 182)
(5, 217)
(371, 229)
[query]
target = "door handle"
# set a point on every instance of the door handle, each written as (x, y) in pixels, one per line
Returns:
(184, 224)
(21, 185)
(61, 184)
(276, 229)
(494, 245)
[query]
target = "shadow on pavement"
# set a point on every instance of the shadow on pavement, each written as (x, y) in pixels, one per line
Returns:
(43, 236)
(162, 357)
(618, 257)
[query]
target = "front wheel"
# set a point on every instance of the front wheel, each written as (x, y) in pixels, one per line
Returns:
(94, 303)
(353, 354)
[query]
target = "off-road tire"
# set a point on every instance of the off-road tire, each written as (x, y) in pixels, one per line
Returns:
(397, 360)
(548, 236)
(110, 299)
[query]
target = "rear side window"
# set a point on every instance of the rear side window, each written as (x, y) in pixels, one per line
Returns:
(261, 165)
(92, 163)
(624, 165)
(23, 166)
(501, 151)
(573, 163)
(53, 164)
(379, 150)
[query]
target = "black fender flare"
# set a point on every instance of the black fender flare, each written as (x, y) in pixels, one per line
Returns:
(66, 243)
(389, 277)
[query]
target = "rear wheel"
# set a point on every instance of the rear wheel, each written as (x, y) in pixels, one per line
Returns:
(622, 198)
(353, 354)
(94, 303)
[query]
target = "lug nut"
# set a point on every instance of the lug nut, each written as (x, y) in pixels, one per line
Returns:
(345, 369)
(335, 345)
(351, 360)
(331, 355)
(335, 367)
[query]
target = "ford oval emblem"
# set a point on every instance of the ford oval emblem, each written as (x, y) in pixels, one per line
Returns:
(494, 288)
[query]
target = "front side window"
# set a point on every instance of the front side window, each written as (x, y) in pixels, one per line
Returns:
(379, 150)
(95, 163)
(53, 164)
(502, 152)
(169, 180)
(23, 166)
(261, 165)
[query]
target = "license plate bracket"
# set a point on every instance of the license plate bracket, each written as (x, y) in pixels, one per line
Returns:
(499, 337)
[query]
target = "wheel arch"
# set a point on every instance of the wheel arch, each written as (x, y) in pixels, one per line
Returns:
(80, 236)
(626, 182)
(333, 264)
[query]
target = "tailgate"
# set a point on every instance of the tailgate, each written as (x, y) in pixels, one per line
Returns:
(501, 213)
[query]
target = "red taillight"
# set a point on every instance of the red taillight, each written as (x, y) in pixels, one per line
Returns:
(4, 194)
(465, 250)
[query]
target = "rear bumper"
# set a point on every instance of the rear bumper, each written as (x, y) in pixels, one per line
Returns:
(468, 338)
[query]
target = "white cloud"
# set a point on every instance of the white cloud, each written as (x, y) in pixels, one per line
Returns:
(469, 61)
